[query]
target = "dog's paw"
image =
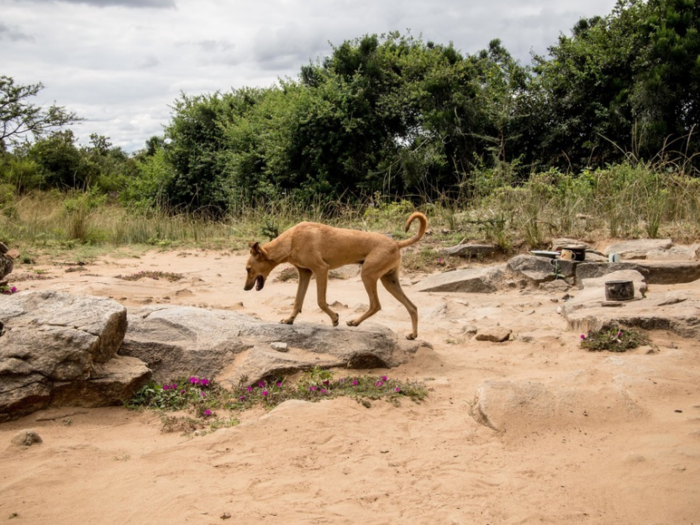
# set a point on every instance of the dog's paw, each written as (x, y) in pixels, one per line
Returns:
(352, 322)
(411, 336)
(337, 320)
(287, 321)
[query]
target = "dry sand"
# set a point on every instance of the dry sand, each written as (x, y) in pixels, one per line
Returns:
(338, 462)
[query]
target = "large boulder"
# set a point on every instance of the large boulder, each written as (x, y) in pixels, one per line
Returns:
(55, 339)
(177, 341)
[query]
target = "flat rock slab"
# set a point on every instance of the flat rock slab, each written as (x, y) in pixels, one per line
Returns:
(177, 341)
(638, 248)
(654, 272)
(673, 311)
(471, 250)
(471, 280)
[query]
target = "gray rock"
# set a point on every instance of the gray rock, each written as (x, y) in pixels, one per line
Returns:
(533, 268)
(57, 348)
(26, 438)
(670, 272)
(111, 383)
(593, 270)
(556, 286)
(665, 311)
(638, 248)
(280, 347)
(177, 341)
(562, 242)
(471, 280)
(675, 253)
(471, 250)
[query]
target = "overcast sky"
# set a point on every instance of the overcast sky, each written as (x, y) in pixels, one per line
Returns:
(121, 63)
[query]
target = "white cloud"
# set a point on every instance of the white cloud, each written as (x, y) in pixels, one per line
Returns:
(121, 63)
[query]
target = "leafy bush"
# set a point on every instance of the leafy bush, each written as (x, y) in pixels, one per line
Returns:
(613, 339)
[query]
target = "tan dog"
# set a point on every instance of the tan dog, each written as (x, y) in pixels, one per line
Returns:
(316, 248)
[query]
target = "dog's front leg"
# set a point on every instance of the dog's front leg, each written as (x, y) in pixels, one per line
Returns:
(321, 286)
(304, 279)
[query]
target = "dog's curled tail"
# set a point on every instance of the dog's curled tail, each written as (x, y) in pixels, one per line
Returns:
(421, 229)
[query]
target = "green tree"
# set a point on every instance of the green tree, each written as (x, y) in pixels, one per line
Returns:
(20, 118)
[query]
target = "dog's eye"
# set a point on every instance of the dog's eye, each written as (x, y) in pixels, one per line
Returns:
(247, 270)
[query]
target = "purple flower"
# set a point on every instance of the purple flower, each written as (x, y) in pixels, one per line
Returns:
(13, 289)
(194, 380)
(397, 389)
(264, 392)
(204, 382)
(379, 383)
(242, 398)
(249, 389)
(326, 382)
(166, 387)
(323, 391)
(313, 388)
(354, 382)
(261, 384)
(583, 337)
(182, 391)
(279, 384)
(207, 412)
(383, 378)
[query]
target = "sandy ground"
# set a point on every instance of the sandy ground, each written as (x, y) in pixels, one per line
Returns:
(338, 462)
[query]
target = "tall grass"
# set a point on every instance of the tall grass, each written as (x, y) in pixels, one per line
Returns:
(626, 200)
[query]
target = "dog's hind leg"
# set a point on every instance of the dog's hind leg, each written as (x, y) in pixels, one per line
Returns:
(370, 282)
(393, 286)
(304, 279)
(321, 287)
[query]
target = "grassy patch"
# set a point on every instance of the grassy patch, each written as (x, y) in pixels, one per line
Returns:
(613, 339)
(209, 405)
(157, 275)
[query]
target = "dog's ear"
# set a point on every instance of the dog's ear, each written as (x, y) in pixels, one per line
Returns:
(256, 250)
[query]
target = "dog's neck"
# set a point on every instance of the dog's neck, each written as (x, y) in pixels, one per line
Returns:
(278, 250)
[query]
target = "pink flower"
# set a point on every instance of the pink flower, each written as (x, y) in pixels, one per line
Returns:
(13, 289)
(242, 398)
(194, 380)
(279, 384)
(249, 389)
(354, 383)
(583, 337)
(378, 384)
(383, 378)
(261, 384)
(313, 388)
(204, 382)
(397, 389)
(207, 412)
(264, 392)
(323, 391)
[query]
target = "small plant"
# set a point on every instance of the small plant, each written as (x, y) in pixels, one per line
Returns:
(287, 274)
(6, 289)
(172, 277)
(613, 339)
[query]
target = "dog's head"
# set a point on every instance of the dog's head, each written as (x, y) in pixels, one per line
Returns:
(258, 267)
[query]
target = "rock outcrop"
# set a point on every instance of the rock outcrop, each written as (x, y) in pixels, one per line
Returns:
(57, 349)
(177, 341)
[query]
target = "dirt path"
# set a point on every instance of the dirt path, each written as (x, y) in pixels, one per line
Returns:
(338, 462)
